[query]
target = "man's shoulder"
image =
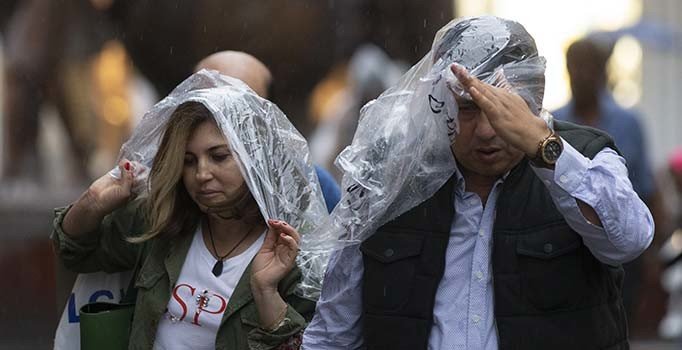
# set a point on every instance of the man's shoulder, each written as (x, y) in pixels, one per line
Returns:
(587, 140)
(567, 127)
(563, 113)
(626, 118)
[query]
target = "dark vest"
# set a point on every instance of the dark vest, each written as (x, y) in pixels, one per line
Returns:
(550, 291)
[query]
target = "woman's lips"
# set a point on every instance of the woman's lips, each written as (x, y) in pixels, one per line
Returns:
(207, 193)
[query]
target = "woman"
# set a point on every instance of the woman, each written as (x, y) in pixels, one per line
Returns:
(212, 274)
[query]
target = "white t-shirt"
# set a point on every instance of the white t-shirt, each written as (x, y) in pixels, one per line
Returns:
(199, 298)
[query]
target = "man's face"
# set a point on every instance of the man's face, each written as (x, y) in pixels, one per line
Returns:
(586, 73)
(477, 147)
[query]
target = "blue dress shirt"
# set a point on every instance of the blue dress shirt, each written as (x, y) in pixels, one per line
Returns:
(464, 306)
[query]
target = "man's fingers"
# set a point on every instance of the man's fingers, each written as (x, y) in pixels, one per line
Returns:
(482, 93)
(484, 99)
(463, 76)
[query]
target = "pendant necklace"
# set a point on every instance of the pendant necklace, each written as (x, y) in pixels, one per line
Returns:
(218, 267)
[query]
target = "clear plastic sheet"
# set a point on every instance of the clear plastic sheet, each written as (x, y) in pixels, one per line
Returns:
(273, 157)
(400, 154)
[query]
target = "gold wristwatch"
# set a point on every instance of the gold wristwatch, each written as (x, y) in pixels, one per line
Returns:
(549, 150)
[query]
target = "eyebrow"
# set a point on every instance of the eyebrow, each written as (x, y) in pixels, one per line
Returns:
(214, 148)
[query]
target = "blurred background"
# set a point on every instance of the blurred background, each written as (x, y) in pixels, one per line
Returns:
(78, 74)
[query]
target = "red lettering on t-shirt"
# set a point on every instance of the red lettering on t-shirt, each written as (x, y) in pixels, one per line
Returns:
(179, 298)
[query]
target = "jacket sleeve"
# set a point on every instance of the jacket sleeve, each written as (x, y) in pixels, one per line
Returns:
(299, 312)
(104, 249)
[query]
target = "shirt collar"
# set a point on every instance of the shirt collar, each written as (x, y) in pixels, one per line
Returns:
(460, 183)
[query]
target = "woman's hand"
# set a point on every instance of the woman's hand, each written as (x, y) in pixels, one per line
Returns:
(108, 193)
(102, 197)
(276, 258)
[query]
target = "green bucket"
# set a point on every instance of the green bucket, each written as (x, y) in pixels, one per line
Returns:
(105, 326)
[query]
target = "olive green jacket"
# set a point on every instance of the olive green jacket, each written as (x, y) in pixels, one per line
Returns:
(107, 250)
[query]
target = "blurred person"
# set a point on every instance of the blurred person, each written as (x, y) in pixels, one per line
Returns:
(674, 170)
(166, 39)
(521, 248)
(213, 273)
(370, 71)
(670, 181)
(670, 254)
(30, 83)
(675, 166)
(257, 76)
(242, 66)
(593, 105)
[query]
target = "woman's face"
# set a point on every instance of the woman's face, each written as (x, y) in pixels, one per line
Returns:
(210, 173)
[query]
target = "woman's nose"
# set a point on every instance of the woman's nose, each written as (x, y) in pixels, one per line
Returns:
(203, 171)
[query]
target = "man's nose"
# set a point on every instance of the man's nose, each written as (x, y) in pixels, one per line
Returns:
(484, 129)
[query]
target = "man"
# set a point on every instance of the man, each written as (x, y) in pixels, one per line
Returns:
(242, 66)
(593, 105)
(520, 249)
(674, 172)
(257, 76)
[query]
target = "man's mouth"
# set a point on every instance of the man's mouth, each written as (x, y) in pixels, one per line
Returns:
(488, 153)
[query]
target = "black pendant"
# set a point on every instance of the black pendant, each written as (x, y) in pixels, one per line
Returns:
(218, 268)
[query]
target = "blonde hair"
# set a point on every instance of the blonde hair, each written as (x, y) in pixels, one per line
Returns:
(169, 208)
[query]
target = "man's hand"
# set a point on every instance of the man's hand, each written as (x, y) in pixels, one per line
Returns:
(506, 111)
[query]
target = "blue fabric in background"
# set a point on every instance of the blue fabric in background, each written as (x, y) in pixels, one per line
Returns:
(625, 128)
(330, 189)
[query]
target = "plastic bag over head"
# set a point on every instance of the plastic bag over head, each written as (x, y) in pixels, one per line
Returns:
(273, 156)
(400, 155)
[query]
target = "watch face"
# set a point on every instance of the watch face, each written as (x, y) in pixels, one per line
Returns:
(552, 151)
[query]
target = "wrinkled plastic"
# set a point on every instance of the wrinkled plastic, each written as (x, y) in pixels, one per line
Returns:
(272, 154)
(400, 154)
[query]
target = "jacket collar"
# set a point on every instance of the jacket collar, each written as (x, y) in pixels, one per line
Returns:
(240, 297)
(175, 258)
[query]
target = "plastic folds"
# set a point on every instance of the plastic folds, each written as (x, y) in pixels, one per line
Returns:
(400, 155)
(273, 156)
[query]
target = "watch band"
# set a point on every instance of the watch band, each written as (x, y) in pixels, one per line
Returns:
(539, 160)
